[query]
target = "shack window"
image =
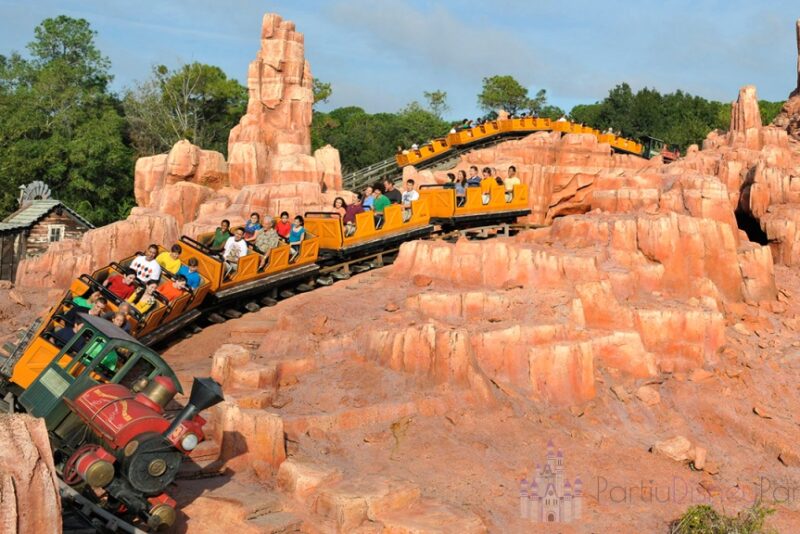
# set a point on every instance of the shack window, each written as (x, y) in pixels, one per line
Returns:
(55, 232)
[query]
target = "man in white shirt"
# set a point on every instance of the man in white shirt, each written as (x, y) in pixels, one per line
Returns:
(235, 248)
(409, 195)
(146, 266)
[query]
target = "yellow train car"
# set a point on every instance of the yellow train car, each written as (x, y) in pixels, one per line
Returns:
(438, 148)
(480, 205)
(280, 268)
(399, 225)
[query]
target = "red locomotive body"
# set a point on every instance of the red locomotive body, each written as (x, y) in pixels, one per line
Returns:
(138, 451)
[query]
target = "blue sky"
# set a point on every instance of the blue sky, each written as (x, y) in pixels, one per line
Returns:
(382, 54)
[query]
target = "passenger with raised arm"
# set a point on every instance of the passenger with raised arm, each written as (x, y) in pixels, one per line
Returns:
(394, 196)
(190, 272)
(474, 178)
(171, 261)
(252, 226)
(122, 285)
(409, 195)
(146, 266)
(144, 300)
(339, 206)
(266, 239)
(235, 249)
(221, 235)
(497, 178)
(349, 218)
(296, 236)
(510, 182)
(283, 226)
(379, 203)
(172, 289)
(65, 334)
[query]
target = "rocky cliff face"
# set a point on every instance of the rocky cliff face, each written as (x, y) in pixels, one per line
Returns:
(29, 498)
(189, 190)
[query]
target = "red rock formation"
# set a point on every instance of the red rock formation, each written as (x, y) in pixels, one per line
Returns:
(789, 117)
(744, 112)
(29, 498)
(97, 248)
(797, 25)
(272, 141)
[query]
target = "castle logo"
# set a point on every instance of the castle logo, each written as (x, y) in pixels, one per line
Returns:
(549, 497)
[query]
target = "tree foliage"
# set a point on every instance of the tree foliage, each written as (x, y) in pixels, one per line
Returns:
(196, 102)
(322, 91)
(678, 118)
(437, 102)
(503, 92)
(59, 123)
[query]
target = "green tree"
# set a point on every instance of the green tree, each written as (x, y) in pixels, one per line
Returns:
(678, 118)
(322, 91)
(503, 92)
(769, 110)
(196, 102)
(437, 102)
(586, 114)
(60, 124)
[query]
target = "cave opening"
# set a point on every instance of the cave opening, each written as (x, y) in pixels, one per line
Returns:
(751, 227)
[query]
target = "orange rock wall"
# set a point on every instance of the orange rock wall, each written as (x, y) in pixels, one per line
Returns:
(29, 498)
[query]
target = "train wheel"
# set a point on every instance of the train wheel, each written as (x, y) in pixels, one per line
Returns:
(305, 288)
(216, 318)
(325, 281)
(340, 275)
(230, 313)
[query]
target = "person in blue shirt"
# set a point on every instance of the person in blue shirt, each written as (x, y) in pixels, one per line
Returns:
(296, 236)
(252, 226)
(474, 178)
(368, 199)
(191, 274)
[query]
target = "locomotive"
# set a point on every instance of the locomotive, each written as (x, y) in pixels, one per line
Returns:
(103, 397)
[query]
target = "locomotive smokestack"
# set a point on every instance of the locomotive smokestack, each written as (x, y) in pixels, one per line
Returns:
(206, 392)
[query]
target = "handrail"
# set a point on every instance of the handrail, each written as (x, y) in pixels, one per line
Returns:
(91, 282)
(211, 253)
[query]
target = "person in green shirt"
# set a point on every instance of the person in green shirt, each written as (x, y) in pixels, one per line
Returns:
(221, 235)
(379, 204)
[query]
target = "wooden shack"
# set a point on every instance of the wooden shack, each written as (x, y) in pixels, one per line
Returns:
(31, 229)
